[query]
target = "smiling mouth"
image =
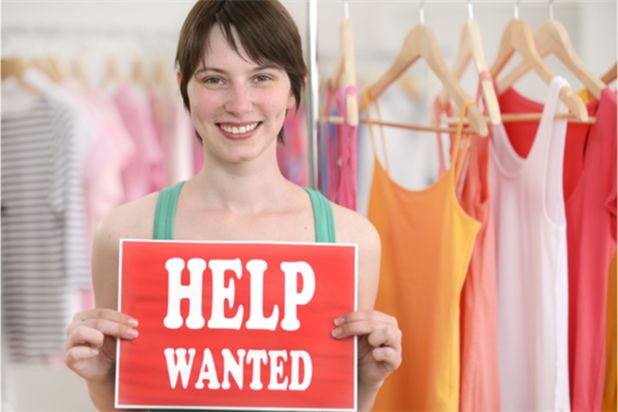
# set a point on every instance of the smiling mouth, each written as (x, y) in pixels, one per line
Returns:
(239, 130)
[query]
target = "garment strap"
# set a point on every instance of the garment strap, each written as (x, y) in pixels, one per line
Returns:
(165, 212)
(455, 149)
(370, 126)
(323, 217)
(438, 109)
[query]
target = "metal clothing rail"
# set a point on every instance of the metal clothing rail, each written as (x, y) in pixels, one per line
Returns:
(312, 91)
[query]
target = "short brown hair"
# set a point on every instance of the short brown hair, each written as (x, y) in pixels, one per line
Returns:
(266, 30)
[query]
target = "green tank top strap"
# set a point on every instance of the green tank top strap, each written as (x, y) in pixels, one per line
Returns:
(323, 217)
(165, 212)
(168, 197)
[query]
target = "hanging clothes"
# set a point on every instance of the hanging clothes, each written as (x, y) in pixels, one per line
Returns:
(532, 264)
(610, 403)
(427, 241)
(173, 135)
(346, 159)
(338, 166)
(42, 143)
(591, 220)
(145, 173)
(414, 157)
(292, 156)
(590, 199)
(480, 379)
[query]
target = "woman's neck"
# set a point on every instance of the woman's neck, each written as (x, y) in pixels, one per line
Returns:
(244, 188)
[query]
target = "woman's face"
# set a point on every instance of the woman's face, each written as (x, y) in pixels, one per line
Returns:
(238, 106)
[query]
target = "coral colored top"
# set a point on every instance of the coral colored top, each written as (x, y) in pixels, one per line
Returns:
(427, 241)
(610, 403)
(480, 379)
(590, 193)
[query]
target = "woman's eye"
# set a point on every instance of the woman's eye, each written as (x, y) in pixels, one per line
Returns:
(212, 80)
(262, 78)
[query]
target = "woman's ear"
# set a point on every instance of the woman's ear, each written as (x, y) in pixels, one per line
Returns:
(291, 101)
(178, 77)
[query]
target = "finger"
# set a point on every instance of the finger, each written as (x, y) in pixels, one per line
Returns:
(85, 336)
(362, 327)
(389, 357)
(79, 353)
(104, 313)
(365, 315)
(386, 336)
(111, 328)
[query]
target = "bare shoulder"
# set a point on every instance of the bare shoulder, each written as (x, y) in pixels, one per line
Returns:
(351, 227)
(133, 220)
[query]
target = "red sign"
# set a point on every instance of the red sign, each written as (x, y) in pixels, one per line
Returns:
(236, 325)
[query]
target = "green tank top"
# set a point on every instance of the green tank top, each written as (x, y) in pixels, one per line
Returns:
(166, 210)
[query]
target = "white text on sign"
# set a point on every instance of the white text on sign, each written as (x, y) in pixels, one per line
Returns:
(178, 364)
(221, 294)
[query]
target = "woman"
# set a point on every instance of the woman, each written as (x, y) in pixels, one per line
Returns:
(240, 70)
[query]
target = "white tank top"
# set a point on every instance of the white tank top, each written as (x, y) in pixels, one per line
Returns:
(532, 265)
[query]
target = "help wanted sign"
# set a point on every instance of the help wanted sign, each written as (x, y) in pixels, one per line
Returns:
(236, 325)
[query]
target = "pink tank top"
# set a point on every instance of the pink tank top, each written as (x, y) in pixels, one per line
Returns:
(532, 264)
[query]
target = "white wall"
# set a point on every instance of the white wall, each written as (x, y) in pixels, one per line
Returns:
(149, 29)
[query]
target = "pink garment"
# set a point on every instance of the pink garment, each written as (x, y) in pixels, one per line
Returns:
(479, 373)
(292, 156)
(346, 139)
(590, 192)
(145, 173)
(341, 151)
(111, 152)
(591, 234)
(176, 138)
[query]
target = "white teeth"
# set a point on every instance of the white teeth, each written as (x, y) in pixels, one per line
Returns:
(239, 130)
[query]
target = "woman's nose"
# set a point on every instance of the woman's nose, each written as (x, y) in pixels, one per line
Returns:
(238, 100)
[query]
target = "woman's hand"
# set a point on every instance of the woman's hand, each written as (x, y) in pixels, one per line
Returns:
(379, 343)
(91, 342)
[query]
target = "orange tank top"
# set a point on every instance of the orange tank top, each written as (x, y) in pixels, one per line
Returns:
(427, 241)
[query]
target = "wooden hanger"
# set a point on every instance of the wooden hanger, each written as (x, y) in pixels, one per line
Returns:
(552, 37)
(517, 37)
(163, 76)
(79, 71)
(421, 42)
(471, 49)
(16, 67)
(610, 76)
(345, 72)
(112, 74)
(139, 74)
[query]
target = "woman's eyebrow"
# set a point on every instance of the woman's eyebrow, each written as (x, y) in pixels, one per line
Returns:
(257, 69)
(209, 69)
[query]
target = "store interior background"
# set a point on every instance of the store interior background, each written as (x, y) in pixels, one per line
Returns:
(93, 31)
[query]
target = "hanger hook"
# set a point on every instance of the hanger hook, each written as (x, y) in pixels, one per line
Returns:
(551, 9)
(517, 9)
(421, 12)
(346, 9)
(470, 13)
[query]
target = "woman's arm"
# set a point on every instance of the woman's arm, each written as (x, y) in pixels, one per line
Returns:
(379, 337)
(91, 336)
